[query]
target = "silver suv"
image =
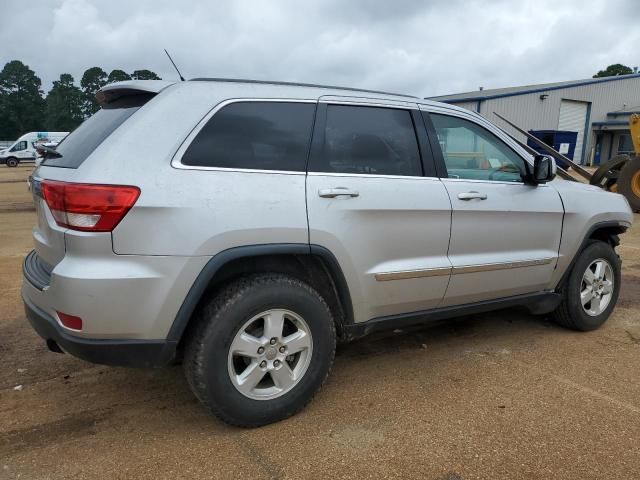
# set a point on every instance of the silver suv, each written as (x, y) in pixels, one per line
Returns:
(245, 227)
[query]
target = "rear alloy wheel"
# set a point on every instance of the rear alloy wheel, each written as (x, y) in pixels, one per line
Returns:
(12, 162)
(270, 354)
(260, 349)
(591, 290)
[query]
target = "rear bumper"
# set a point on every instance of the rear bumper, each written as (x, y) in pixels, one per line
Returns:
(126, 353)
(118, 297)
(127, 304)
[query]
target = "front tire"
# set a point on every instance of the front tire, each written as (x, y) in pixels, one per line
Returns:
(12, 162)
(261, 349)
(591, 291)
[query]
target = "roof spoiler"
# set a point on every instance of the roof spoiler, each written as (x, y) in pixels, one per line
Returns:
(114, 91)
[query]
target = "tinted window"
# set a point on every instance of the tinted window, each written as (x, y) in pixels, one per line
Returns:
(80, 143)
(471, 152)
(369, 140)
(625, 145)
(19, 146)
(255, 135)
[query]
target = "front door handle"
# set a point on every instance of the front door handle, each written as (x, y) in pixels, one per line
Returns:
(337, 192)
(472, 196)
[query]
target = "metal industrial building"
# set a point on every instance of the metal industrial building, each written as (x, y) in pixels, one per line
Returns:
(597, 109)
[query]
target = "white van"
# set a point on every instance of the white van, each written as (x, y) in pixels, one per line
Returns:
(22, 150)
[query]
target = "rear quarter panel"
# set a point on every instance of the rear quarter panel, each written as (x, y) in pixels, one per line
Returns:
(191, 212)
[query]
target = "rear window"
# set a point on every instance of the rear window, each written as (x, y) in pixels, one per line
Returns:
(369, 140)
(80, 143)
(255, 135)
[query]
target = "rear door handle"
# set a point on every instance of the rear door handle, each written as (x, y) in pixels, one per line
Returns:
(472, 196)
(337, 192)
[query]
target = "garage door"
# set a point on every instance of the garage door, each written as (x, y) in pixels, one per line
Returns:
(573, 117)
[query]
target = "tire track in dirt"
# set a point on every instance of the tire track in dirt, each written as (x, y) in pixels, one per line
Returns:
(68, 428)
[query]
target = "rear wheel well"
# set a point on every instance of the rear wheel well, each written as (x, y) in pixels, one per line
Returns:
(311, 269)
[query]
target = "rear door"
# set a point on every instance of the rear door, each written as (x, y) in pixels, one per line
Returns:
(370, 203)
(505, 234)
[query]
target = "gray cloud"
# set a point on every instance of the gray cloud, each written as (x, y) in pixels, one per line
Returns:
(424, 48)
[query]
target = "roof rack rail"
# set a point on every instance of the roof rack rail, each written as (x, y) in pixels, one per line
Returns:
(294, 84)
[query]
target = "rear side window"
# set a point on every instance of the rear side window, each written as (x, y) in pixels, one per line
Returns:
(80, 143)
(369, 140)
(255, 135)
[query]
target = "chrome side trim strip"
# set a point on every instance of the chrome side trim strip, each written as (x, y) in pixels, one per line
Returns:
(439, 271)
(401, 275)
(371, 175)
(489, 267)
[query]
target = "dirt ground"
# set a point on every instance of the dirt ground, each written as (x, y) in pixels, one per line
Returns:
(501, 395)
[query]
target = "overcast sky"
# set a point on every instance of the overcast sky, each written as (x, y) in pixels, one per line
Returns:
(425, 48)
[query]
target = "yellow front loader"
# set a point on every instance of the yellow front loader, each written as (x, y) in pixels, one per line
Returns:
(619, 174)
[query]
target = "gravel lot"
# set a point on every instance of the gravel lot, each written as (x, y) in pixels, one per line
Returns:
(501, 395)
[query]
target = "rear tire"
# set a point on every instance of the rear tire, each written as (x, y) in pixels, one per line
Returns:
(12, 162)
(232, 343)
(629, 183)
(587, 304)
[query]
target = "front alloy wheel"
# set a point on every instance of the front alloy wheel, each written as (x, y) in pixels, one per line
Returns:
(590, 292)
(596, 289)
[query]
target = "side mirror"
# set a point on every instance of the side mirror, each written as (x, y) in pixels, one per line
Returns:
(544, 169)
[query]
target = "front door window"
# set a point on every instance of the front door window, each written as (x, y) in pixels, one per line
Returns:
(470, 152)
(18, 147)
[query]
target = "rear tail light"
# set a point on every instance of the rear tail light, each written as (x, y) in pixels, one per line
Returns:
(70, 321)
(88, 207)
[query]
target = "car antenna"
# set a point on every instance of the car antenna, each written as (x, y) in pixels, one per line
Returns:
(174, 65)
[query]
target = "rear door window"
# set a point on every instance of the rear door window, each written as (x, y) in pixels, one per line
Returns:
(369, 140)
(80, 143)
(255, 135)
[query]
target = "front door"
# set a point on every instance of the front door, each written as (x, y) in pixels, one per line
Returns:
(505, 235)
(20, 150)
(370, 204)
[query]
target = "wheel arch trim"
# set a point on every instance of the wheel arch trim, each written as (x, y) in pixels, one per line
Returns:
(209, 271)
(623, 226)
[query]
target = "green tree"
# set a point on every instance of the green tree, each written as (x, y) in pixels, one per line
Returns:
(145, 75)
(613, 70)
(64, 105)
(118, 76)
(21, 102)
(93, 79)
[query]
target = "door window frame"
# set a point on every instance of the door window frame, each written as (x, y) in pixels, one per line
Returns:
(425, 151)
(176, 160)
(440, 164)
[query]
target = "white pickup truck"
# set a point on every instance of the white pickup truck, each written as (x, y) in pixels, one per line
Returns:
(22, 150)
